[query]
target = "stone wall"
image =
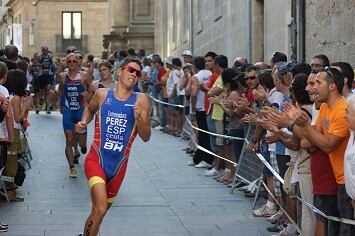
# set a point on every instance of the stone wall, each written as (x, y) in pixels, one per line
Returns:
(224, 27)
(330, 29)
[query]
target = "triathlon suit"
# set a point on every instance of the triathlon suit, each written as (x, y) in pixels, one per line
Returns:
(115, 131)
(73, 102)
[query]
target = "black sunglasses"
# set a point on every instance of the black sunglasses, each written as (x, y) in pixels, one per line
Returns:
(250, 78)
(327, 70)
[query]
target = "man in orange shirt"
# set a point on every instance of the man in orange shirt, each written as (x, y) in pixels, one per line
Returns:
(330, 133)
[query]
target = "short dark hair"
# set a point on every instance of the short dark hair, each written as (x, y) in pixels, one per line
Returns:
(324, 58)
(335, 76)
(123, 53)
(251, 68)
(278, 57)
(199, 63)
(222, 61)
(131, 51)
(141, 52)
(265, 79)
(211, 54)
(127, 61)
(301, 67)
(11, 51)
(346, 70)
(105, 63)
(90, 57)
(176, 62)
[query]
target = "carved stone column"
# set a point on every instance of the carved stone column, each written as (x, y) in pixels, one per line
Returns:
(140, 33)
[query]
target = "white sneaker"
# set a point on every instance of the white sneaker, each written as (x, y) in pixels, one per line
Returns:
(203, 164)
(211, 172)
(276, 217)
(290, 230)
(264, 211)
(221, 173)
(191, 163)
(158, 127)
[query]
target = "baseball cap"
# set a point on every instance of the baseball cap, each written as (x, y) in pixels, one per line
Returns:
(187, 53)
(169, 60)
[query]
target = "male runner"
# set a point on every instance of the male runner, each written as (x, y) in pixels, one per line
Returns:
(122, 114)
(73, 85)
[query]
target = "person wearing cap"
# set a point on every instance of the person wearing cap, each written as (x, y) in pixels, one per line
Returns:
(187, 55)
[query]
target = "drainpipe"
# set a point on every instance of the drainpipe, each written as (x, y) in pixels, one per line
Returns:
(191, 29)
(249, 31)
(301, 30)
(293, 30)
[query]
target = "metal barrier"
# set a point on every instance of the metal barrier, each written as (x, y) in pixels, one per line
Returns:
(249, 170)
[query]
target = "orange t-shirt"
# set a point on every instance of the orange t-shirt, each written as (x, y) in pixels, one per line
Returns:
(332, 121)
(164, 79)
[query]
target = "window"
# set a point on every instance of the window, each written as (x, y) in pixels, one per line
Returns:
(71, 25)
(71, 30)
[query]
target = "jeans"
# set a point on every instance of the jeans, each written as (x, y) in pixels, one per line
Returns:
(160, 97)
(212, 129)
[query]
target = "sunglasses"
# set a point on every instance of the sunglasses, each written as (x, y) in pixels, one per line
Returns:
(131, 69)
(70, 51)
(250, 78)
(327, 70)
(72, 61)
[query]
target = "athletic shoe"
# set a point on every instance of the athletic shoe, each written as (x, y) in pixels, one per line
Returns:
(14, 197)
(37, 111)
(73, 173)
(211, 172)
(81, 234)
(221, 173)
(48, 112)
(275, 218)
(290, 230)
(158, 127)
(83, 150)
(191, 163)
(277, 228)
(203, 164)
(264, 211)
(3, 229)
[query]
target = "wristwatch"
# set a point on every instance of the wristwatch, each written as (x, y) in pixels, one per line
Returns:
(253, 140)
(290, 128)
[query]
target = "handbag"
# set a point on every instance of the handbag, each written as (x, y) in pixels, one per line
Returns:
(20, 175)
(289, 187)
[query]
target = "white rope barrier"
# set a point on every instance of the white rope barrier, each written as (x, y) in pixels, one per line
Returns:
(267, 164)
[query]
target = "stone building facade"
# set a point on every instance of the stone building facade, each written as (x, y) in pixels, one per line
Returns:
(31, 23)
(256, 28)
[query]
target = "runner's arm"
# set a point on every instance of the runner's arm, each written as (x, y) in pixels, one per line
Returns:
(142, 116)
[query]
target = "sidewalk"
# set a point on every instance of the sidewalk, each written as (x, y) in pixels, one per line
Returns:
(160, 195)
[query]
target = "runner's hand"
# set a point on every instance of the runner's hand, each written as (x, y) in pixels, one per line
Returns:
(80, 127)
(137, 111)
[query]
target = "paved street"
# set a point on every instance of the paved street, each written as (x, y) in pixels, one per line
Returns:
(160, 195)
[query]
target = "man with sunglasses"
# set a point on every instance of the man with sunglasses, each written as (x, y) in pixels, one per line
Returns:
(123, 114)
(73, 85)
(330, 133)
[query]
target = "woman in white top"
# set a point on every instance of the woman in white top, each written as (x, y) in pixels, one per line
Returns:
(16, 85)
